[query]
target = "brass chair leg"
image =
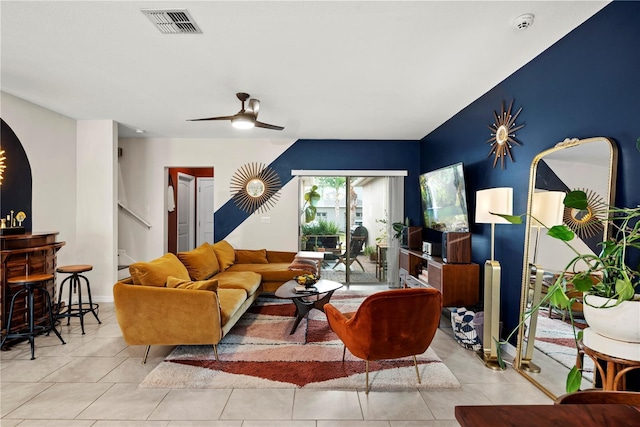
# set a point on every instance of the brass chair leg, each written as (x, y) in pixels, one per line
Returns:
(146, 354)
(366, 378)
(215, 351)
(344, 351)
(415, 363)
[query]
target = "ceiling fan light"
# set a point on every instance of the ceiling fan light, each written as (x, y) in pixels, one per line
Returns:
(242, 122)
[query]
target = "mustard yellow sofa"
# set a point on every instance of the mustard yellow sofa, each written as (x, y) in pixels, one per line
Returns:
(195, 297)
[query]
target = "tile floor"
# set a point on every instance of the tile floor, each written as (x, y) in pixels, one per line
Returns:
(93, 381)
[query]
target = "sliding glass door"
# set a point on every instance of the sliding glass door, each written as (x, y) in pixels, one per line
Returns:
(347, 218)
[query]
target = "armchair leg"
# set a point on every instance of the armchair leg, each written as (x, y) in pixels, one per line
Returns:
(344, 351)
(215, 352)
(146, 354)
(415, 363)
(366, 376)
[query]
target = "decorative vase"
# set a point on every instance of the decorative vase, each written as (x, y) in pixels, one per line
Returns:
(621, 322)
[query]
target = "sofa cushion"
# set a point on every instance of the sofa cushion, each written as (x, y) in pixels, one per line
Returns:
(245, 256)
(155, 273)
(225, 253)
(230, 301)
(201, 262)
(245, 280)
(272, 272)
(201, 285)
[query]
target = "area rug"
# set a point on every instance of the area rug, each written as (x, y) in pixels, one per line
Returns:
(260, 352)
(555, 338)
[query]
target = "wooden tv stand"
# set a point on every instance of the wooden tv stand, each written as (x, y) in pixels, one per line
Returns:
(458, 283)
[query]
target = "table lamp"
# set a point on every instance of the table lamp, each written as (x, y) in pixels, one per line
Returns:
(490, 201)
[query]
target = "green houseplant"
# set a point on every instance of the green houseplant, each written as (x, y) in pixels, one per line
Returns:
(311, 199)
(607, 275)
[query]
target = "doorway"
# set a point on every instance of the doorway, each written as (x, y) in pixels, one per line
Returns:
(190, 218)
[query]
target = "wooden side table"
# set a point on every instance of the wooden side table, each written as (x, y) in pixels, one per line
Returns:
(612, 369)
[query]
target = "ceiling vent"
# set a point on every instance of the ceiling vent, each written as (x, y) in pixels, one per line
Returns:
(172, 21)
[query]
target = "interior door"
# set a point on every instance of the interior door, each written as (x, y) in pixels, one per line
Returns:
(205, 210)
(185, 207)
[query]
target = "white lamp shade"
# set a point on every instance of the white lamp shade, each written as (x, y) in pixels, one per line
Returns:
(496, 200)
(547, 208)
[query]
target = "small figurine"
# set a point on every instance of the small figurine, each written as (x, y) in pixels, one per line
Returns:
(20, 216)
(3, 223)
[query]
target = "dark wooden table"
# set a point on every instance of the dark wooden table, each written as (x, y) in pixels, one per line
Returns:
(548, 415)
(315, 297)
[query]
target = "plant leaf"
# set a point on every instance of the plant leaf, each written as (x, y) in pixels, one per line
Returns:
(561, 232)
(576, 199)
(582, 283)
(513, 219)
(624, 288)
(558, 298)
(573, 380)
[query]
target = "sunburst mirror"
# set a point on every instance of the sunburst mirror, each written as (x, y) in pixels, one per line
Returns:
(503, 133)
(255, 187)
(589, 221)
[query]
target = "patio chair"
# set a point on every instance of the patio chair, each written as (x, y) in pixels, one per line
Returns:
(357, 242)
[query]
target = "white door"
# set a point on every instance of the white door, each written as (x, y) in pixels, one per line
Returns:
(186, 212)
(205, 210)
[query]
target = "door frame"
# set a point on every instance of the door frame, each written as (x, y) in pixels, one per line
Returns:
(191, 233)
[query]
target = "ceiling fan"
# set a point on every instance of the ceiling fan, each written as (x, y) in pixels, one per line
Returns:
(245, 118)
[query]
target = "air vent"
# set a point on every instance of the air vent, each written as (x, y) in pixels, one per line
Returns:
(172, 21)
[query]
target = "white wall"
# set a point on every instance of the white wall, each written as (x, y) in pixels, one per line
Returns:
(49, 140)
(142, 187)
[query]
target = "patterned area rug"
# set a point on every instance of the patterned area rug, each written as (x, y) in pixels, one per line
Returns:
(259, 352)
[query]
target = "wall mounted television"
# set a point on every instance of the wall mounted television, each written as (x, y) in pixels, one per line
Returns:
(444, 199)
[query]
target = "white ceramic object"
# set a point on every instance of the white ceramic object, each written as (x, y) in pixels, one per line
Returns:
(620, 323)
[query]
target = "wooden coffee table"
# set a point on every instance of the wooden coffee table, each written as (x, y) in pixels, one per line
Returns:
(315, 297)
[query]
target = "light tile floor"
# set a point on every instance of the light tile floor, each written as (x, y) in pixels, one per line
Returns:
(93, 381)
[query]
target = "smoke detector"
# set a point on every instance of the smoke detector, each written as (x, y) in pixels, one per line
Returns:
(523, 22)
(172, 21)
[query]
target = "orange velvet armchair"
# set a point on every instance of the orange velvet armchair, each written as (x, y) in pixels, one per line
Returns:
(389, 325)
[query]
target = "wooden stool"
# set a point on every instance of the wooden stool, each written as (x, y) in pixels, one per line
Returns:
(76, 309)
(31, 284)
(612, 369)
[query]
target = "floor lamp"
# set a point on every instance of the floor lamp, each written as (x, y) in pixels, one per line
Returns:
(489, 201)
(547, 210)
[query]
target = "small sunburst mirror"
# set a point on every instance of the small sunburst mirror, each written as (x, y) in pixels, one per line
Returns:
(589, 221)
(503, 133)
(255, 187)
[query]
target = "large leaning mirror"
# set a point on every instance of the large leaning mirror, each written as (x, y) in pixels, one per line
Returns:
(546, 348)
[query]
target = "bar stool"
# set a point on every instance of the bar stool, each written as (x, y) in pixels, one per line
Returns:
(77, 309)
(31, 284)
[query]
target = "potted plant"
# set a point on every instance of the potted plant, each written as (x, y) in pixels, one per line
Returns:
(370, 251)
(607, 281)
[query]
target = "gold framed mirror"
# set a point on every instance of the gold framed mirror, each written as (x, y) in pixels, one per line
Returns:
(255, 187)
(545, 348)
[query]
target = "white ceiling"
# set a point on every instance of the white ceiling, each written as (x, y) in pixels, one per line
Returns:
(322, 69)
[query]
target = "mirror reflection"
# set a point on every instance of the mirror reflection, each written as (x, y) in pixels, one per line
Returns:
(546, 347)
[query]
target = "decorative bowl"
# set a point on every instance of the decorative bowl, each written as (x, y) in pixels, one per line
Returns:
(308, 279)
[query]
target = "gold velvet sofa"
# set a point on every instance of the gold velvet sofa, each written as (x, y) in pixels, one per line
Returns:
(195, 297)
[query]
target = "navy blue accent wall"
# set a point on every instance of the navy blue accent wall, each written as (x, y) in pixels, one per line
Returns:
(585, 85)
(336, 155)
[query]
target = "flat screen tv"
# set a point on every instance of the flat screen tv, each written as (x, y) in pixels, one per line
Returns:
(444, 200)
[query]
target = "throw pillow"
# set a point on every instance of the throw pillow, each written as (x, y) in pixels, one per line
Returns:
(245, 256)
(225, 253)
(155, 273)
(201, 285)
(305, 265)
(201, 262)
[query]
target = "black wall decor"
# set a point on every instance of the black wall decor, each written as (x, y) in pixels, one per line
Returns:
(15, 190)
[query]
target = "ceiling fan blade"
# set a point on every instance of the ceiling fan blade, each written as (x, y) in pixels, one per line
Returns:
(254, 106)
(268, 126)
(212, 118)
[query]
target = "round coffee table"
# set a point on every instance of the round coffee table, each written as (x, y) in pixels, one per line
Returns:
(312, 297)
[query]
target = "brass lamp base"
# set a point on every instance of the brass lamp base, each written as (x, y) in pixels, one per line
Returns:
(489, 361)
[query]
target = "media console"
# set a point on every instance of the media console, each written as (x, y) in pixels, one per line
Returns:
(458, 283)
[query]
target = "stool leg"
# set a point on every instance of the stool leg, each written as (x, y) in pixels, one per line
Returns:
(91, 306)
(13, 301)
(32, 340)
(76, 283)
(60, 292)
(52, 319)
(71, 289)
